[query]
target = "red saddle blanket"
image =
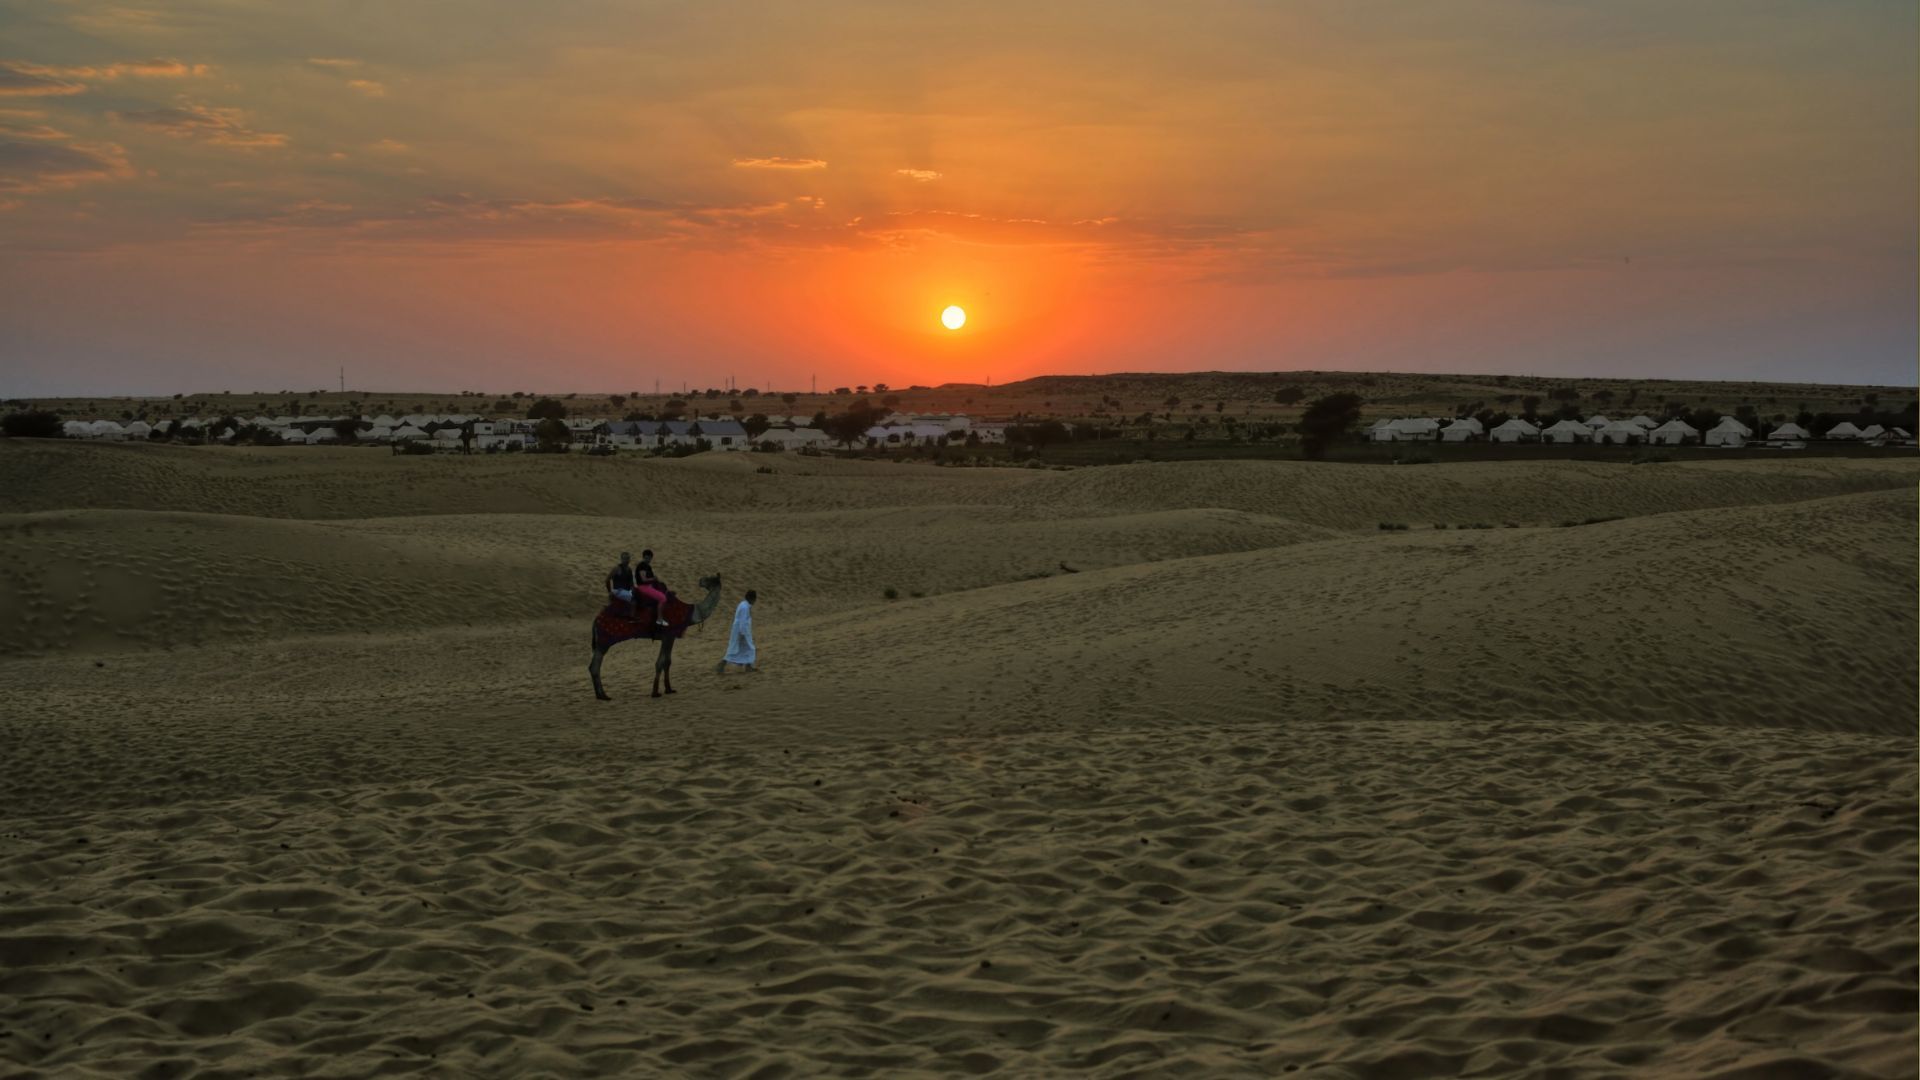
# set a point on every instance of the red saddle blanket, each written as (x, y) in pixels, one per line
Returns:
(614, 623)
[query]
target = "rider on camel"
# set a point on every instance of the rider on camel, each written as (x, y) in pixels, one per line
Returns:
(648, 586)
(620, 584)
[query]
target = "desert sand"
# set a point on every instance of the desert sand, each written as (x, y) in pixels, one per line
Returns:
(1151, 770)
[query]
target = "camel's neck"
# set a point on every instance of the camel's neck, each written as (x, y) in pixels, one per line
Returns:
(706, 605)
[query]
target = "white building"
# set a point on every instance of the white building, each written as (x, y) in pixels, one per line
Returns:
(793, 439)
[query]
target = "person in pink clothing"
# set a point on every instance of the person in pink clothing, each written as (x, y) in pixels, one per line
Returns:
(649, 587)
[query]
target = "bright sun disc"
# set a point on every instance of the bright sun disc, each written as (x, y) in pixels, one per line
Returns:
(953, 318)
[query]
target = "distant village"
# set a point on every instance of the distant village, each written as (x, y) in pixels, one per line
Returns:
(1634, 431)
(456, 432)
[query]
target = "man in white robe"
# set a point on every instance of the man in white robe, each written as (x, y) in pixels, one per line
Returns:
(740, 639)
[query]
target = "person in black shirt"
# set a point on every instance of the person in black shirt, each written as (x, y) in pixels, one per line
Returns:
(648, 586)
(620, 583)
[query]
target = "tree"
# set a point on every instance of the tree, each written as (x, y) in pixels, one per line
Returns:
(36, 424)
(1530, 406)
(850, 426)
(1603, 396)
(348, 429)
(1326, 420)
(553, 434)
(756, 425)
(735, 406)
(1037, 435)
(1565, 393)
(879, 388)
(617, 400)
(673, 409)
(789, 398)
(891, 400)
(1172, 402)
(1289, 395)
(842, 391)
(547, 409)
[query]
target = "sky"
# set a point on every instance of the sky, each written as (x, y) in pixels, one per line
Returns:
(587, 195)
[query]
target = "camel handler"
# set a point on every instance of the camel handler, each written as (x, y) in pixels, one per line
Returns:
(620, 582)
(740, 648)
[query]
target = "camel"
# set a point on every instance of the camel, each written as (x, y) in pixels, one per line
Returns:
(612, 627)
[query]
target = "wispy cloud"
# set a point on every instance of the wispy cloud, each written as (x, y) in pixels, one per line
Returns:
(16, 81)
(924, 176)
(388, 146)
(778, 163)
(19, 129)
(156, 68)
(206, 123)
(26, 168)
(368, 87)
(332, 61)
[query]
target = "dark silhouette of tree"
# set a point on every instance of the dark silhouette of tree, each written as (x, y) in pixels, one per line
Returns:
(35, 424)
(1289, 395)
(546, 409)
(789, 398)
(756, 425)
(346, 429)
(1327, 420)
(553, 434)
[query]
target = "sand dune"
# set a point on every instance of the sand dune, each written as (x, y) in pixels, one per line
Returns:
(319, 788)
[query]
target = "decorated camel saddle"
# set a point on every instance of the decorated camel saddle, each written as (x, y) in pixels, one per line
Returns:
(614, 624)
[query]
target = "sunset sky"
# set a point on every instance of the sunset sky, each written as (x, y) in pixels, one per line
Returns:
(588, 195)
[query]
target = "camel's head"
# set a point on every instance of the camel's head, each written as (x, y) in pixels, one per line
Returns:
(711, 581)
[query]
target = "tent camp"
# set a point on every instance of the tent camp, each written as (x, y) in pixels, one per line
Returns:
(1596, 422)
(1415, 428)
(1843, 430)
(1567, 431)
(1462, 429)
(1674, 433)
(1643, 421)
(1381, 431)
(1873, 431)
(1788, 432)
(1514, 430)
(1729, 432)
(1621, 433)
(407, 431)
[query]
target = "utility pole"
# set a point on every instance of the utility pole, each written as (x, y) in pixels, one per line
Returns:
(343, 378)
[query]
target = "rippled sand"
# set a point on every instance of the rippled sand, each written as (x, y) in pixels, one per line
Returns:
(304, 777)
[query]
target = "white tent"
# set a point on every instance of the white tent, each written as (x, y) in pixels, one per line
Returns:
(77, 429)
(292, 435)
(407, 431)
(1729, 432)
(1874, 431)
(383, 420)
(1843, 430)
(1415, 428)
(107, 429)
(1673, 433)
(1789, 431)
(1900, 433)
(378, 433)
(1621, 433)
(1514, 430)
(1462, 429)
(1381, 431)
(139, 429)
(1596, 422)
(1567, 431)
(1643, 421)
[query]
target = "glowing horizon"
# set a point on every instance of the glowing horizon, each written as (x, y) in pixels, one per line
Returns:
(220, 195)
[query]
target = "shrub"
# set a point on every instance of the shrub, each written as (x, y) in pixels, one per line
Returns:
(768, 469)
(1440, 525)
(1391, 526)
(37, 424)
(891, 593)
(416, 446)
(546, 409)
(1415, 457)
(1326, 420)
(1651, 457)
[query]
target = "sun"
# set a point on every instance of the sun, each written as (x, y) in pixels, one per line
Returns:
(954, 317)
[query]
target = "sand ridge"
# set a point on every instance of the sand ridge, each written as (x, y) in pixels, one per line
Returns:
(1256, 789)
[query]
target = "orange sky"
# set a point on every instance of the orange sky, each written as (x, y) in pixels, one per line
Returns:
(595, 195)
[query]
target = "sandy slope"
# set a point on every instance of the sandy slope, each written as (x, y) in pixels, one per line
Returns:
(1258, 789)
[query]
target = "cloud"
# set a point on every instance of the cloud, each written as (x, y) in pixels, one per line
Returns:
(19, 130)
(332, 61)
(16, 81)
(155, 68)
(389, 146)
(26, 168)
(368, 87)
(918, 175)
(778, 163)
(207, 123)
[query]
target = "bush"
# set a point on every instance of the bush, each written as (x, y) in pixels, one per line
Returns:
(546, 409)
(416, 446)
(36, 424)
(1415, 457)
(1392, 526)
(891, 593)
(767, 469)
(1440, 525)
(1651, 457)
(1326, 420)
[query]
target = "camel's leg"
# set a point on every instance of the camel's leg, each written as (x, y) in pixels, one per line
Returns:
(593, 669)
(663, 667)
